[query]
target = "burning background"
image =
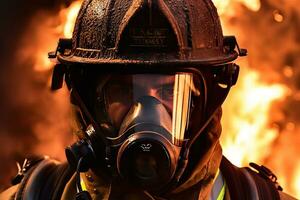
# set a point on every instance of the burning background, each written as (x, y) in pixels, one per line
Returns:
(261, 120)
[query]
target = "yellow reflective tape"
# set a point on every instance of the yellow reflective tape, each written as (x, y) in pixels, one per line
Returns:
(222, 193)
(83, 186)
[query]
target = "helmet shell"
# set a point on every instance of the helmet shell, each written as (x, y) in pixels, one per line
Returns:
(148, 32)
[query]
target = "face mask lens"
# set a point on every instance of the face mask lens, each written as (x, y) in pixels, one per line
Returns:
(163, 100)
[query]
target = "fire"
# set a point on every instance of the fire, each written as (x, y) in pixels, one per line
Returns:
(227, 7)
(40, 39)
(71, 14)
(64, 28)
(296, 184)
(65, 23)
(246, 132)
(250, 130)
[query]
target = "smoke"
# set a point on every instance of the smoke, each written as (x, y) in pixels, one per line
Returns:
(34, 120)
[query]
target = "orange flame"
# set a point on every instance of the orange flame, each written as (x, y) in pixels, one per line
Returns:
(226, 7)
(71, 14)
(37, 49)
(296, 182)
(66, 17)
(247, 135)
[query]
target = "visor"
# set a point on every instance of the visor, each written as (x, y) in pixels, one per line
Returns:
(164, 100)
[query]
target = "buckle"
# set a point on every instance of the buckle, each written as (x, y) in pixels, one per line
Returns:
(63, 45)
(231, 43)
(267, 174)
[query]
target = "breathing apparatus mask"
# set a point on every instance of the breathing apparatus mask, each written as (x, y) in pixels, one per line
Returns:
(140, 125)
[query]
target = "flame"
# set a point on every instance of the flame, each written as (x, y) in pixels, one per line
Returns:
(246, 132)
(72, 12)
(247, 135)
(227, 7)
(296, 182)
(250, 133)
(42, 36)
(64, 28)
(42, 62)
(253, 5)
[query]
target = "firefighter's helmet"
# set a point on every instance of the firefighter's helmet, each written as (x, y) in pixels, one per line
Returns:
(149, 32)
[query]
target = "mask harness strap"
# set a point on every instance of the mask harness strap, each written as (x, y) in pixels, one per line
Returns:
(87, 113)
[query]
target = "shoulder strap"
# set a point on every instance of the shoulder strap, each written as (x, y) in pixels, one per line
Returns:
(265, 188)
(244, 183)
(236, 181)
(44, 180)
(64, 173)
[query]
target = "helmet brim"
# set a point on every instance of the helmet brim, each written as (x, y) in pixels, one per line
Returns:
(192, 61)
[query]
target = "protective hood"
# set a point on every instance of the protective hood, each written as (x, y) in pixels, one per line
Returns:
(205, 158)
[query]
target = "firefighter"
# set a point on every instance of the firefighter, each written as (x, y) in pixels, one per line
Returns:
(147, 79)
